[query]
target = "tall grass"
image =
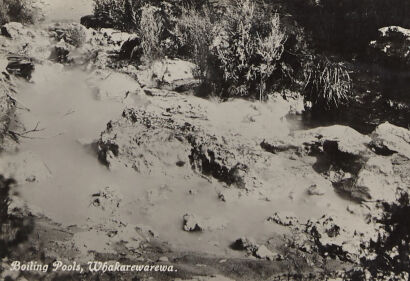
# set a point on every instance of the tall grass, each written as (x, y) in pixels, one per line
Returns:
(328, 84)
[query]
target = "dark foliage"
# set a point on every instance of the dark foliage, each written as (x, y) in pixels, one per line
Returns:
(13, 230)
(15, 10)
(392, 249)
(348, 26)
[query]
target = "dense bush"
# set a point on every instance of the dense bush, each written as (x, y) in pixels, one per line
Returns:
(16, 10)
(122, 13)
(154, 21)
(194, 32)
(392, 250)
(348, 26)
(247, 46)
(388, 257)
(328, 84)
(242, 47)
(126, 14)
(150, 30)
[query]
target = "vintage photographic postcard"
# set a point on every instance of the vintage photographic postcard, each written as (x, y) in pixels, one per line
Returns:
(204, 140)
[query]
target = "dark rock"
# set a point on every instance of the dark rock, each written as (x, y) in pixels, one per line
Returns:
(131, 49)
(20, 66)
(61, 52)
(277, 146)
(284, 220)
(168, 74)
(92, 21)
(71, 33)
(316, 190)
(247, 244)
(13, 30)
(107, 200)
(258, 251)
(392, 45)
(193, 223)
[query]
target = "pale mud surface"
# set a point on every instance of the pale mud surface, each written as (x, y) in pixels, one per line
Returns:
(72, 115)
(71, 111)
(65, 10)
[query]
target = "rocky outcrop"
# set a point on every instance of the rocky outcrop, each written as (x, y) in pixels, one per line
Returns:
(393, 44)
(68, 43)
(342, 139)
(92, 21)
(75, 44)
(284, 220)
(193, 223)
(326, 236)
(350, 160)
(376, 181)
(152, 144)
(25, 41)
(14, 30)
(337, 138)
(389, 139)
(108, 200)
(251, 247)
(20, 66)
(71, 33)
(169, 74)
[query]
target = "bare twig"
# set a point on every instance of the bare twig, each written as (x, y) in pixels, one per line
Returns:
(16, 135)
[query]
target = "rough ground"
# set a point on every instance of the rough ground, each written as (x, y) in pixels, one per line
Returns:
(136, 169)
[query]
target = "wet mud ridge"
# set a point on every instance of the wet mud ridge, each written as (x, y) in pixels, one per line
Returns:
(125, 164)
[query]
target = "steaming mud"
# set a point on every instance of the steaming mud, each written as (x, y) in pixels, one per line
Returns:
(62, 10)
(70, 114)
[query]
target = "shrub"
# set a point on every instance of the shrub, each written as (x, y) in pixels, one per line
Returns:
(151, 28)
(388, 257)
(16, 10)
(122, 13)
(327, 84)
(194, 34)
(247, 48)
(73, 34)
(153, 20)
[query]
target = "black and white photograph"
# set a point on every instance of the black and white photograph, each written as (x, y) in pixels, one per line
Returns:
(204, 140)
